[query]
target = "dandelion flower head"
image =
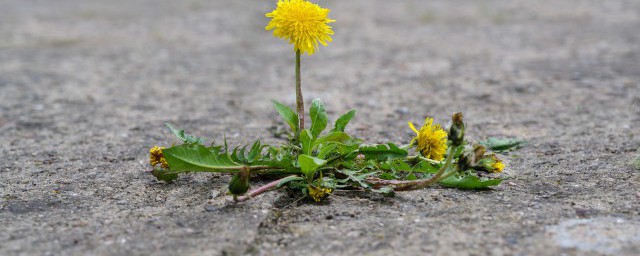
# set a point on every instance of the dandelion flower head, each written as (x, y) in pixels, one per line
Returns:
(431, 140)
(302, 23)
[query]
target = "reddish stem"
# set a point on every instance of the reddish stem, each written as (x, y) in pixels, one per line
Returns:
(261, 190)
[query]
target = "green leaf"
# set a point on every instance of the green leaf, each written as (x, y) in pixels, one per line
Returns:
(469, 181)
(288, 115)
(388, 176)
(319, 117)
(164, 176)
(186, 138)
(288, 179)
(395, 165)
(382, 152)
(278, 158)
(327, 150)
(310, 164)
(195, 157)
(503, 144)
(411, 177)
(306, 139)
(342, 122)
(426, 167)
(255, 151)
(333, 137)
(352, 175)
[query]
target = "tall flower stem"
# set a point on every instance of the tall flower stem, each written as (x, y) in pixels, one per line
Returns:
(299, 99)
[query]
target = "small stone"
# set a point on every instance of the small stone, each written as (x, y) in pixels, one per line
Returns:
(214, 194)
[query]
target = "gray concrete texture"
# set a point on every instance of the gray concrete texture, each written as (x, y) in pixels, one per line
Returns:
(85, 87)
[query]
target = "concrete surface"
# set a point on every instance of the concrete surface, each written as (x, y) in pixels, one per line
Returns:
(85, 87)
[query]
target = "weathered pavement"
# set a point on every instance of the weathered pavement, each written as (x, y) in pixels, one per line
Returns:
(85, 87)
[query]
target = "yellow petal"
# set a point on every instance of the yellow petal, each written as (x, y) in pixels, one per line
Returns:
(413, 128)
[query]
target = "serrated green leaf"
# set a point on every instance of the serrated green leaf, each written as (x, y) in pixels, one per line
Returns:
(186, 138)
(469, 181)
(241, 156)
(411, 177)
(254, 153)
(503, 144)
(388, 176)
(234, 155)
(395, 165)
(288, 115)
(306, 140)
(351, 175)
(194, 157)
(426, 167)
(342, 121)
(309, 164)
(382, 152)
(319, 117)
(226, 146)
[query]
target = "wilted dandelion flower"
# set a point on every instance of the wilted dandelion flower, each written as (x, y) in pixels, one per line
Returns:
(156, 157)
(317, 193)
(431, 140)
(301, 22)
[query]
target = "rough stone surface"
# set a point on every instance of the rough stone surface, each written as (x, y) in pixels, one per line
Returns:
(85, 87)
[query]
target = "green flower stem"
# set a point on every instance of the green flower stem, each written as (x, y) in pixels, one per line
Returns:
(261, 189)
(299, 99)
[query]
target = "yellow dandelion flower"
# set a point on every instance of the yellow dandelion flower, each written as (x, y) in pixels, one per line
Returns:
(497, 165)
(302, 23)
(432, 140)
(156, 157)
(318, 193)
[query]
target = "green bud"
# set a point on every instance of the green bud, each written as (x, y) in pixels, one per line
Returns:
(456, 131)
(239, 183)
(161, 174)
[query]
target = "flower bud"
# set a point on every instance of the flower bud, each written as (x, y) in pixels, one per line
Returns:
(239, 183)
(456, 131)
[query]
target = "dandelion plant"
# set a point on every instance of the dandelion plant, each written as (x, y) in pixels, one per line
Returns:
(318, 160)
